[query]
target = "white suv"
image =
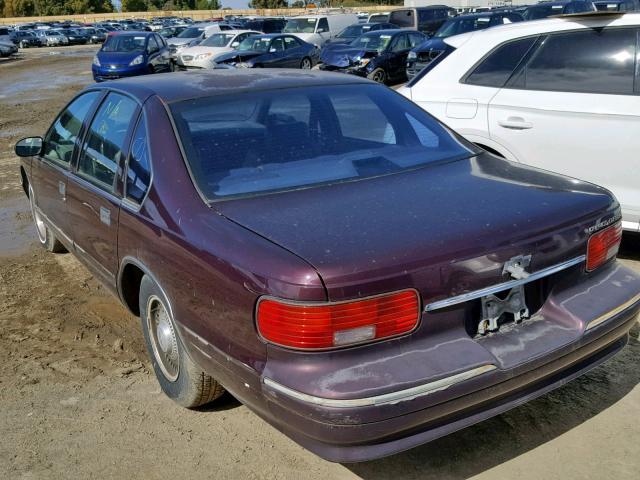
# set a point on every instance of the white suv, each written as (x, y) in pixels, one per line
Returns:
(561, 94)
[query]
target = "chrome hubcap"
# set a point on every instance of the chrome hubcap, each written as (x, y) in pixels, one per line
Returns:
(41, 230)
(163, 338)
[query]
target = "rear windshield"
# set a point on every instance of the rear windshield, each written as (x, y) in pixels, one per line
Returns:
(457, 26)
(271, 141)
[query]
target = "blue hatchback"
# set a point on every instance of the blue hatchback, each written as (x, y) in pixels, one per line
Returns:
(127, 54)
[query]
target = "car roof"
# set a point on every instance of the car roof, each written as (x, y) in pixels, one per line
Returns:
(175, 87)
(509, 31)
(389, 31)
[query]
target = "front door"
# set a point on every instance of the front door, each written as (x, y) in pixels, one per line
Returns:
(93, 198)
(50, 170)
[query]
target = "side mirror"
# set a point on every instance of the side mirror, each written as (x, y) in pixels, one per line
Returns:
(235, 44)
(28, 147)
(272, 50)
(320, 30)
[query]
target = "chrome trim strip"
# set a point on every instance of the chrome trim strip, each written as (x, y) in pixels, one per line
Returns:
(384, 399)
(612, 313)
(465, 297)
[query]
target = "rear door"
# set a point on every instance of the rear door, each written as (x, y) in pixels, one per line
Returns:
(94, 190)
(574, 108)
(50, 171)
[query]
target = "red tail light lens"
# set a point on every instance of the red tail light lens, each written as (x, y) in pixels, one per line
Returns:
(603, 245)
(329, 325)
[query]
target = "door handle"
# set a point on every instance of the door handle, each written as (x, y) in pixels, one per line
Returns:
(62, 190)
(515, 123)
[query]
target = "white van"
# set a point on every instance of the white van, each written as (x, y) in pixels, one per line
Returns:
(317, 29)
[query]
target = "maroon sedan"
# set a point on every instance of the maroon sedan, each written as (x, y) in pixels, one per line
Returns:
(353, 271)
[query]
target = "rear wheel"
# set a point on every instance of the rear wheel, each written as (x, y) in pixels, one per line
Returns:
(306, 64)
(180, 378)
(378, 75)
(45, 236)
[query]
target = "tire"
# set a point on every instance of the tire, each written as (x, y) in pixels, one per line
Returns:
(306, 64)
(180, 378)
(21, 44)
(45, 236)
(172, 67)
(378, 75)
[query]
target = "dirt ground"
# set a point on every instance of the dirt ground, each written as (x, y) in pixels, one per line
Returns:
(78, 399)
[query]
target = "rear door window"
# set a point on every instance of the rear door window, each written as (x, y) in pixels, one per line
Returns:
(104, 144)
(60, 141)
(589, 61)
(496, 68)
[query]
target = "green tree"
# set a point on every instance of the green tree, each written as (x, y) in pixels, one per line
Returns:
(207, 5)
(134, 5)
(268, 4)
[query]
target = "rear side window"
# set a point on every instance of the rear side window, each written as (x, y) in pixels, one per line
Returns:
(590, 61)
(497, 67)
(271, 141)
(104, 144)
(61, 138)
(138, 167)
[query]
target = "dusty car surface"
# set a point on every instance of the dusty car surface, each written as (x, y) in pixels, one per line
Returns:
(354, 272)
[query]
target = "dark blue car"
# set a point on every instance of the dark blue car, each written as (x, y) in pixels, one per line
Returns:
(379, 55)
(272, 51)
(127, 54)
(425, 53)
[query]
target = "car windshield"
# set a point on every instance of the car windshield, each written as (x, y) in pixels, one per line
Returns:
(301, 25)
(218, 40)
(457, 26)
(271, 141)
(542, 11)
(352, 31)
(191, 32)
(124, 43)
(254, 44)
(374, 42)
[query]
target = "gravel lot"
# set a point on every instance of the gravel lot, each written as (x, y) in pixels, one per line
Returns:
(78, 399)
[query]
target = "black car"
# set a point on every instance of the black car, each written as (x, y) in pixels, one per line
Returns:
(352, 32)
(96, 35)
(272, 51)
(425, 53)
(424, 19)
(266, 25)
(76, 36)
(563, 7)
(380, 55)
(24, 38)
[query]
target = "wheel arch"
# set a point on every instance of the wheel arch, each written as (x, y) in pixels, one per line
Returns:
(129, 279)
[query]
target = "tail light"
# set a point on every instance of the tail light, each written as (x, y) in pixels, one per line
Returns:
(603, 246)
(316, 326)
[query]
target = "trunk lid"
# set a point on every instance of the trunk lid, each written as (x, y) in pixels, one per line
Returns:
(444, 229)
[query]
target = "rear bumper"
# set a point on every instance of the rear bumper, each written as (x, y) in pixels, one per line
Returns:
(364, 403)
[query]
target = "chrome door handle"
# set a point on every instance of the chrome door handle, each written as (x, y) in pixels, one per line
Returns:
(62, 190)
(515, 123)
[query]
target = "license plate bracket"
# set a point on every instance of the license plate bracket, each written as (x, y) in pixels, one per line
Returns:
(495, 308)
